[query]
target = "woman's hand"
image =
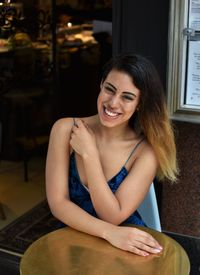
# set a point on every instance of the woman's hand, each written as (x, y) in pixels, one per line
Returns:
(133, 240)
(83, 139)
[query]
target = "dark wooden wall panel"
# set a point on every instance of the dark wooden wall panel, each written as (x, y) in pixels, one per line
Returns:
(142, 27)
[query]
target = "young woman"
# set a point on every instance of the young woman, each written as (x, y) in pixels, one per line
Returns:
(100, 168)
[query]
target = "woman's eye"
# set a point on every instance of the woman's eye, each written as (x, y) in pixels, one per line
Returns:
(109, 90)
(128, 98)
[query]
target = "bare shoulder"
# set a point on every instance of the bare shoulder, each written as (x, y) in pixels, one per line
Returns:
(60, 136)
(62, 127)
(145, 163)
(147, 152)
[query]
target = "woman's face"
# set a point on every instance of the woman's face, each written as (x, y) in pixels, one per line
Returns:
(118, 99)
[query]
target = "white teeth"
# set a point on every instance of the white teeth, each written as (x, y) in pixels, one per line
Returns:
(112, 114)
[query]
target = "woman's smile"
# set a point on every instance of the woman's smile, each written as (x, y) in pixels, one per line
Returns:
(110, 113)
(118, 99)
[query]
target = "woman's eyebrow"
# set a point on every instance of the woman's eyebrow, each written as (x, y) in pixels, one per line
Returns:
(108, 83)
(125, 92)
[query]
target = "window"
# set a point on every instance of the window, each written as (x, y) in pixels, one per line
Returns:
(184, 60)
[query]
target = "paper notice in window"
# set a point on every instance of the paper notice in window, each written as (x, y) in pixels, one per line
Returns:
(194, 15)
(193, 74)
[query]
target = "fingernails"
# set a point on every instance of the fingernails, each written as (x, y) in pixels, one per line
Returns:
(157, 250)
(146, 254)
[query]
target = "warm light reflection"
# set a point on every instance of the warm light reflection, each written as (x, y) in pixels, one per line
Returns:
(69, 24)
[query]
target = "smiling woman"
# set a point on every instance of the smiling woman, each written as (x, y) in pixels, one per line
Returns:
(118, 98)
(100, 168)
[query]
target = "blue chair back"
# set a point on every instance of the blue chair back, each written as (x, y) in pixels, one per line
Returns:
(149, 210)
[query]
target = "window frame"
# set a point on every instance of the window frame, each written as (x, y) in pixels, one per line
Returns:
(177, 64)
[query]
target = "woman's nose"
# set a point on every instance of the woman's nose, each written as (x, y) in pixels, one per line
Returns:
(114, 101)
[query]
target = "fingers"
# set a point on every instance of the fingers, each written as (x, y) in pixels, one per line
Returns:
(134, 240)
(143, 244)
(146, 238)
(142, 249)
(79, 124)
(137, 251)
(146, 248)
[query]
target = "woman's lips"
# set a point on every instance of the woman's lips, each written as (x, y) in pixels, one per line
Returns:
(111, 113)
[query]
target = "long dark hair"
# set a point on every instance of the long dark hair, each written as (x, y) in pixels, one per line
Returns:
(152, 116)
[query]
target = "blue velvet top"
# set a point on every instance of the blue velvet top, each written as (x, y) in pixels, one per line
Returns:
(80, 195)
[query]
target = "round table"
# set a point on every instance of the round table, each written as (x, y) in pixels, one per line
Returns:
(67, 251)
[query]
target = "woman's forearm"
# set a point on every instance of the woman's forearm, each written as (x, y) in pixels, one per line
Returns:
(104, 201)
(126, 238)
(75, 217)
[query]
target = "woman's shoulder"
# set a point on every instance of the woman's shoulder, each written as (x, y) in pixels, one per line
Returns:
(146, 151)
(64, 125)
(61, 131)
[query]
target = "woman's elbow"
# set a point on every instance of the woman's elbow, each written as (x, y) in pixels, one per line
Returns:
(56, 206)
(52, 207)
(114, 219)
(54, 211)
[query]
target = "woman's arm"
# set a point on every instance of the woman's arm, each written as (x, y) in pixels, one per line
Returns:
(117, 207)
(57, 166)
(113, 208)
(126, 238)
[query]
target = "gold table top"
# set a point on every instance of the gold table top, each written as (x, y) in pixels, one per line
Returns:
(67, 251)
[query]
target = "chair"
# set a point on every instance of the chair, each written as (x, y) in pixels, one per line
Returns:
(28, 146)
(149, 210)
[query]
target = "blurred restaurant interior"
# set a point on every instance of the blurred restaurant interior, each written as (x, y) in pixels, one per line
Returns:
(51, 55)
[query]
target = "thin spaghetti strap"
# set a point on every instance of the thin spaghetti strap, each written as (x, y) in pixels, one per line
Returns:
(136, 146)
(71, 150)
